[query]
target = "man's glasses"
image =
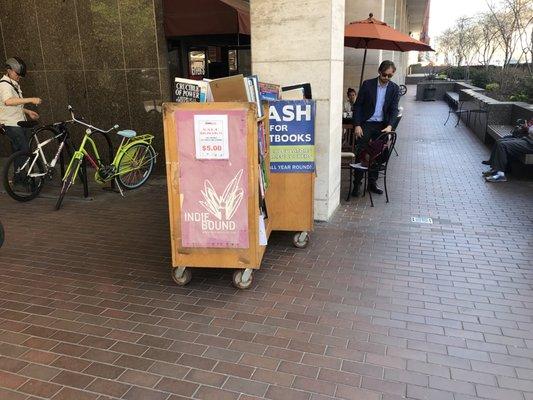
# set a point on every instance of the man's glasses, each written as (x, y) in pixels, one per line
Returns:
(387, 75)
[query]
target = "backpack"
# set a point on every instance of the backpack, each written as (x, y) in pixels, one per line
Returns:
(521, 128)
(373, 151)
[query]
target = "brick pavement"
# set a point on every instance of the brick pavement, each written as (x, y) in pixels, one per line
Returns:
(376, 308)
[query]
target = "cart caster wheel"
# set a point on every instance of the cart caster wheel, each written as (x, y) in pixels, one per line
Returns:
(181, 276)
(300, 240)
(243, 278)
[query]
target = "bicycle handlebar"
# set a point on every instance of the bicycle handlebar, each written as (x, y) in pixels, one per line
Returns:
(89, 126)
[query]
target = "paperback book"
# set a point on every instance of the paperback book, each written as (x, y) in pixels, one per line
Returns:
(269, 91)
(190, 91)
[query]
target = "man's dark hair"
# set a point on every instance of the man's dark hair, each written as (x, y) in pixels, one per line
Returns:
(350, 90)
(385, 65)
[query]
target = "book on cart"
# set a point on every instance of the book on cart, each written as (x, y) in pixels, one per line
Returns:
(231, 88)
(237, 88)
(293, 94)
(290, 90)
(269, 91)
(252, 89)
(190, 91)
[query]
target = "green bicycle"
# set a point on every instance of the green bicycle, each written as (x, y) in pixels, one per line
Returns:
(130, 169)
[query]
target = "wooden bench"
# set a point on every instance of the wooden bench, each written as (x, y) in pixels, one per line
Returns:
(500, 131)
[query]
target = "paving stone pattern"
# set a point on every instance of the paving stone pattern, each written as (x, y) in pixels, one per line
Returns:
(376, 308)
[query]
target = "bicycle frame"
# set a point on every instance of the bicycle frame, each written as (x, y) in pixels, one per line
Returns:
(96, 162)
(81, 153)
(40, 153)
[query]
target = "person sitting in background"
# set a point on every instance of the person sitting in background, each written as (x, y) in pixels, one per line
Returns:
(506, 149)
(348, 104)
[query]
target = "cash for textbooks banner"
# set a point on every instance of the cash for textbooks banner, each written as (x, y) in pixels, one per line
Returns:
(292, 136)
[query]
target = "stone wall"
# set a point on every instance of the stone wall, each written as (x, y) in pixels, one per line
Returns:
(493, 112)
(441, 88)
(483, 110)
(106, 58)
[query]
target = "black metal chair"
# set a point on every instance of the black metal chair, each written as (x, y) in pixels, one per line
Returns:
(395, 125)
(348, 146)
(381, 163)
(478, 113)
(455, 107)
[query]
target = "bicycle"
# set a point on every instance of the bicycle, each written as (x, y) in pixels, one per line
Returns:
(24, 182)
(403, 90)
(133, 163)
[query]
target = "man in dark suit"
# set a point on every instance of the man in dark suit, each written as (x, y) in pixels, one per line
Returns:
(375, 110)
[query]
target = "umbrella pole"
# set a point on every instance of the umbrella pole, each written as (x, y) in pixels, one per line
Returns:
(362, 70)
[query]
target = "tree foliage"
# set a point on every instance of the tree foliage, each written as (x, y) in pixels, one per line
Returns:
(506, 28)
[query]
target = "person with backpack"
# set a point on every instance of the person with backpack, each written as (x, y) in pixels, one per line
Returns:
(12, 104)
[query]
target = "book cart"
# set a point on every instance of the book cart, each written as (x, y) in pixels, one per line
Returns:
(223, 208)
(291, 195)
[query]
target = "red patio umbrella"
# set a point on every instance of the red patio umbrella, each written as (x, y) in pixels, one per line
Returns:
(373, 34)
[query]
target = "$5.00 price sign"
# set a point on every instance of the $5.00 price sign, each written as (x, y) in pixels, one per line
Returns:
(211, 137)
(215, 147)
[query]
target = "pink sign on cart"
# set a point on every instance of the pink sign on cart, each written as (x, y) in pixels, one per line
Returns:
(214, 192)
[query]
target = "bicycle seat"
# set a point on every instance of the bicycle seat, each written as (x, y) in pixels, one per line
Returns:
(27, 124)
(127, 133)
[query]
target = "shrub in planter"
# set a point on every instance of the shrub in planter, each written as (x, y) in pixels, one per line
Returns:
(519, 97)
(480, 78)
(456, 73)
(492, 87)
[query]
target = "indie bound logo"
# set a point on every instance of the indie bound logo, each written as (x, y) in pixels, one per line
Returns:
(221, 207)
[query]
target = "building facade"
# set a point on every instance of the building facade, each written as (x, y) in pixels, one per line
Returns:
(106, 58)
(303, 41)
(109, 59)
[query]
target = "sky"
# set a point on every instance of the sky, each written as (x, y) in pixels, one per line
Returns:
(443, 13)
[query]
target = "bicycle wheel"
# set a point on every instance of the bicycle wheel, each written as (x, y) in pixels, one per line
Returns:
(403, 90)
(68, 181)
(135, 166)
(18, 180)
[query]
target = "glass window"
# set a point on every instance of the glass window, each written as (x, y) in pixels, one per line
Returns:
(233, 61)
(197, 61)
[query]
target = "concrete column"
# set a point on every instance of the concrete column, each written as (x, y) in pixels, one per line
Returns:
(303, 41)
(390, 19)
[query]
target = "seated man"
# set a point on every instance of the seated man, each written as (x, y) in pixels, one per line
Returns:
(504, 150)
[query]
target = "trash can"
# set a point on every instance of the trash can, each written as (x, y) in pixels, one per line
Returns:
(429, 93)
